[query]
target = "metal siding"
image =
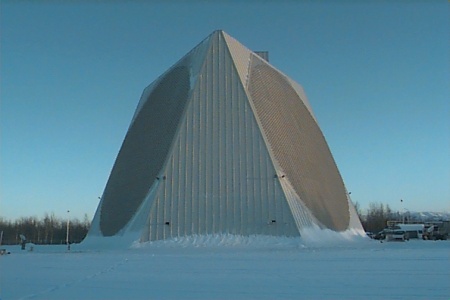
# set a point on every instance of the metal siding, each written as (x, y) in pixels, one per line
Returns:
(298, 146)
(240, 56)
(237, 190)
(161, 210)
(143, 151)
(301, 93)
(220, 174)
(260, 196)
(195, 172)
(209, 175)
(153, 216)
(228, 153)
(201, 102)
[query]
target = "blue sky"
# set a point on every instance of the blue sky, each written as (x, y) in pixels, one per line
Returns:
(376, 75)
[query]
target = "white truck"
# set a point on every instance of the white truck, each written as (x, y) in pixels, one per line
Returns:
(404, 232)
(414, 231)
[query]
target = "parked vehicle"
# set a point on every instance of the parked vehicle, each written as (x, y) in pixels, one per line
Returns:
(396, 235)
(437, 231)
(414, 231)
(379, 236)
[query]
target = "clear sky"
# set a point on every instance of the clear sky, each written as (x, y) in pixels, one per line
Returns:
(376, 75)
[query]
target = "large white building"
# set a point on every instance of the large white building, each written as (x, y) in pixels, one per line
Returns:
(223, 142)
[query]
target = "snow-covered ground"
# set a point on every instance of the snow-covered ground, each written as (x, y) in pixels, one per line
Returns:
(230, 267)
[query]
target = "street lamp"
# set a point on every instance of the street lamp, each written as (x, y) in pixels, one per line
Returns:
(67, 233)
(403, 211)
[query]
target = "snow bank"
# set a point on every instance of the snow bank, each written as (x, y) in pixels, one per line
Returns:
(225, 241)
(98, 243)
(312, 237)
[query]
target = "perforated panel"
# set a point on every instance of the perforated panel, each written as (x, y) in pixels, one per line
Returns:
(144, 150)
(298, 145)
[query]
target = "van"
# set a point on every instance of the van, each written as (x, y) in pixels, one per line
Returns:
(396, 235)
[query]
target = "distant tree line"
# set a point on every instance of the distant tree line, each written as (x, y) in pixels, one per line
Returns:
(376, 217)
(47, 230)
(52, 230)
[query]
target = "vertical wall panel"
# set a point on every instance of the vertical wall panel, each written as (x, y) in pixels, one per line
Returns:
(220, 171)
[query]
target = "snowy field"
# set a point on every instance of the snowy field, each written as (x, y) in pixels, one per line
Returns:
(231, 268)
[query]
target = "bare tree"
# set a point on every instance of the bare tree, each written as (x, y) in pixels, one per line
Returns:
(48, 230)
(377, 216)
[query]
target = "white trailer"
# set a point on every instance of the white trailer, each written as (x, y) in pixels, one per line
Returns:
(413, 231)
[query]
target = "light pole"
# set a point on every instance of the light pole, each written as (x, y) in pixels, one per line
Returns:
(403, 211)
(67, 233)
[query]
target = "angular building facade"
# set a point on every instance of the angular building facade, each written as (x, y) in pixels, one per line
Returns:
(223, 142)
